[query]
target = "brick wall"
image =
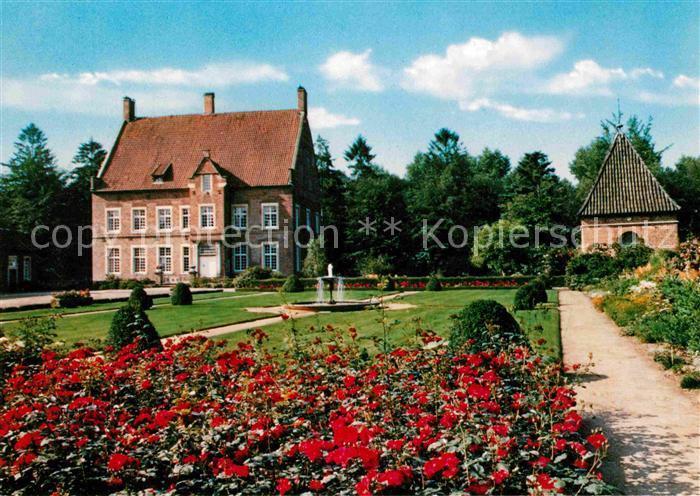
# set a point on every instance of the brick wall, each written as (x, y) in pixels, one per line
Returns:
(657, 231)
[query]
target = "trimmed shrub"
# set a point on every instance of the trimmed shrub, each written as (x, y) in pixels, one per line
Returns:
(434, 284)
(315, 263)
(529, 296)
(130, 323)
(140, 299)
(293, 284)
(590, 268)
(72, 299)
(486, 324)
(632, 256)
(181, 294)
(250, 277)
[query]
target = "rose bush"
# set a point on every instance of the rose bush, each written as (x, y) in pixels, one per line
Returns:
(195, 419)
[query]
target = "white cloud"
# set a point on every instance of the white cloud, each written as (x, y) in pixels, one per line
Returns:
(646, 71)
(320, 118)
(352, 70)
(671, 99)
(587, 77)
(479, 66)
(683, 81)
(544, 115)
(211, 75)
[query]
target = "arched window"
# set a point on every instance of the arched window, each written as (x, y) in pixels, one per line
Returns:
(629, 238)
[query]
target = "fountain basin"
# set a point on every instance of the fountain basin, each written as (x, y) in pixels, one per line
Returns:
(340, 306)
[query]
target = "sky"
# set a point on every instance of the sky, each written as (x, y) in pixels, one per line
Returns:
(518, 77)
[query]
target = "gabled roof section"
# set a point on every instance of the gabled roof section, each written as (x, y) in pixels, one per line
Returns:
(255, 148)
(208, 166)
(626, 186)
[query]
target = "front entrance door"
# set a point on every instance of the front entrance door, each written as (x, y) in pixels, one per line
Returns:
(208, 260)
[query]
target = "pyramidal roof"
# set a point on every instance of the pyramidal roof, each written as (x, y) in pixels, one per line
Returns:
(625, 185)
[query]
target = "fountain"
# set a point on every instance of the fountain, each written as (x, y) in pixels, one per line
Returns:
(336, 300)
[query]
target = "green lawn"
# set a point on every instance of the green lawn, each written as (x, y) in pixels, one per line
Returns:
(208, 310)
(433, 310)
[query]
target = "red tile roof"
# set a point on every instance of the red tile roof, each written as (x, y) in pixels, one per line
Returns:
(256, 148)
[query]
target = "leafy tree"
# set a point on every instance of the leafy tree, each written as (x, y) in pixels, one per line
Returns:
(448, 193)
(359, 157)
(31, 193)
(493, 163)
(504, 248)
(683, 184)
(589, 159)
(315, 263)
(334, 210)
(87, 161)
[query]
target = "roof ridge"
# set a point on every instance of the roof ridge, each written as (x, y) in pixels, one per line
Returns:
(213, 115)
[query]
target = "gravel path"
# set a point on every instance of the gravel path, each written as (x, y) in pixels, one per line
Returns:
(653, 425)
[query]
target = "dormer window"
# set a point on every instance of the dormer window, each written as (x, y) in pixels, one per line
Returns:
(206, 183)
(161, 173)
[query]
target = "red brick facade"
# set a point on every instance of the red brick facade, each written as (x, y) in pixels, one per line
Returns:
(657, 232)
(217, 225)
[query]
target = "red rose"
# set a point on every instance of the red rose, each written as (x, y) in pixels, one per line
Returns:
(283, 485)
(119, 460)
(316, 485)
(597, 440)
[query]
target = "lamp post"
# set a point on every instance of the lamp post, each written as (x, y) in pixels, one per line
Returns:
(159, 273)
(193, 272)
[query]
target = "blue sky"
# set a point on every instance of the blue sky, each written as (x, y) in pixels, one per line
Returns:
(514, 76)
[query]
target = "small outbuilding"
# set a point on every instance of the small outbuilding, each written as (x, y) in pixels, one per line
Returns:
(627, 204)
(16, 261)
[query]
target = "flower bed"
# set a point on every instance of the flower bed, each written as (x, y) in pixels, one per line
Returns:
(190, 419)
(406, 283)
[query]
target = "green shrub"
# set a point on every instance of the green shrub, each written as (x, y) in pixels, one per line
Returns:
(181, 294)
(433, 284)
(250, 277)
(387, 284)
(632, 256)
(691, 380)
(130, 323)
(140, 299)
(374, 265)
(669, 360)
(590, 268)
(25, 344)
(315, 263)
(488, 324)
(72, 299)
(293, 284)
(527, 297)
(622, 310)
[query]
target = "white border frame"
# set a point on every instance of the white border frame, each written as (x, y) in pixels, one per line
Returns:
(172, 223)
(262, 215)
(199, 219)
(145, 249)
(121, 265)
(145, 229)
(113, 209)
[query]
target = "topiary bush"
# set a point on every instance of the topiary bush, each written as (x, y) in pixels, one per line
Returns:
(433, 284)
(181, 294)
(293, 284)
(486, 324)
(140, 299)
(130, 323)
(527, 297)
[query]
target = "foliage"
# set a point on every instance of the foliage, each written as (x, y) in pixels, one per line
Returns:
(25, 344)
(624, 310)
(434, 284)
(691, 380)
(683, 184)
(374, 266)
(689, 255)
(71, 299)
(129, 324)
(251, 277)
(315, 263)
(334, 208)
(139, 299)
(359, 157)
(485, 324)
(181, 294)
(632, 256)
(499, 248)
(527, 297)
(590, 268)
(669, 360)
(191, 418)
(293, 284)
(113, 282)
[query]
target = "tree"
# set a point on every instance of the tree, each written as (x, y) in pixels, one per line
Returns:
(683, 184)
(493, 163)
(31, 193)
(589, 159)
(315, 263)
(334, 210)
(87, 160)
(447, 194)
(359, 157)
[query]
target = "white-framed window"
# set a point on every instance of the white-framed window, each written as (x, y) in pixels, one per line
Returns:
(165, 218)
(206, 183)
(206, 216)
(240, 257)
(270, 215)
(317, 226)
(27, 269)
(138, 219)
(138, 259)
(114, 223)
(165, 258)
(270, 255)
(240, 216)
(186, 258)
(184, 218)
(114, 262)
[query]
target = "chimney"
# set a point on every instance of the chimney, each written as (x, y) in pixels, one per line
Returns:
(208, 103)
(129, 109)
(301, 100)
